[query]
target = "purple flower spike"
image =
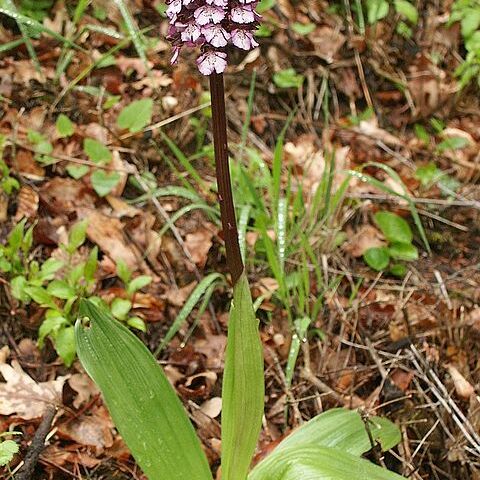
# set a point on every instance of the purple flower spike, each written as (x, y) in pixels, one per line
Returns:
(212, 25)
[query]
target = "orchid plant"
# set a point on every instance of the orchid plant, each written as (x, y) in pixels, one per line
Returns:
(141, 401)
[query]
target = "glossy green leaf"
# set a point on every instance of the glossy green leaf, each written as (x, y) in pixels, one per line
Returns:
(395, 228)
(321, 463)
(141, 401)
(243, 386)
(330, 435)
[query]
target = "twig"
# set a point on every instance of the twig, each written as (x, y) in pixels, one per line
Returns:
(37, 445)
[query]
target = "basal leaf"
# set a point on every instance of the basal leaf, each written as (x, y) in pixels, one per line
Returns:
(141, 401)
(377, 258)
(243, 386)
(395, 228)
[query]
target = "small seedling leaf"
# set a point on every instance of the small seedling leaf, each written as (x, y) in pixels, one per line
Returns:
(395, 228)
(136, 116)
(377, 258)
(96, 151)
(403, 251)
(104, 182)
(65, 127)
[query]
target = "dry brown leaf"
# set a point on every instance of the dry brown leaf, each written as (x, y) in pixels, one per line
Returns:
(85, 388)
(66, 195)
(107, 233)
(28, 201)
(212, 407)
(20, 395)
(199, 244)
(327, 42)
(93, 430)
(364, 238)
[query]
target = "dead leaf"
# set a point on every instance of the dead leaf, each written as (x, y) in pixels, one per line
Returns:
(66, 195)
(327, 42)
(20, 395)
(85, 388)
(28, 201)
(212, 407)
(364, 238)
(107, 233)
(199, 244)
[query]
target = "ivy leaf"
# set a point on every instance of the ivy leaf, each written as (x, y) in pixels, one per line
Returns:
(136, 116)
(65, 127)
(96, 151)
(103, 183)
(8, 449)
(77, 171)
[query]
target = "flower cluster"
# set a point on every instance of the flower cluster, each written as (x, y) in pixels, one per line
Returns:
(212, 25)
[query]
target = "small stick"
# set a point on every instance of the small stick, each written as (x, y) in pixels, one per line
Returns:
(37, 445)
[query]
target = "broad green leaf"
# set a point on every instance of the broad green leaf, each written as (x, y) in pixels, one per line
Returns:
(8, 448)
(395, 228)
(65, 344)
(104, 182)
(141, 401)
(338, 430)
(138, 283)
(97, 152)
(377, 258)
(15, 237)
(61, 289)
(65, 127)
(243, 386)
(91, 265)
(398, 269)
(321, 463)
(471, 22)
(265, 5)
(403, 251)
(136, 116)
(120, 308)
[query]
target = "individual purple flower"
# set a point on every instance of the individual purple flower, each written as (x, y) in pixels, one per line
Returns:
(243, 39)
(212, 62)
(212, 25)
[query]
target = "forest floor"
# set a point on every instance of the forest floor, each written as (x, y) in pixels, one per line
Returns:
(358, 120)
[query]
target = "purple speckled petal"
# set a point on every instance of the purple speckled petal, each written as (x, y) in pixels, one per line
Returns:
(212, 61)
(209, 14)
(243, 39)
(242, 14)
(191, 33)
(215, 35)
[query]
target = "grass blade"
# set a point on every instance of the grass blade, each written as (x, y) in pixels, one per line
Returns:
(243, 386)
(182, 316)
(141, 401)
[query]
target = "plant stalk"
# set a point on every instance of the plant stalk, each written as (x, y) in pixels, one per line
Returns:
(225, 196)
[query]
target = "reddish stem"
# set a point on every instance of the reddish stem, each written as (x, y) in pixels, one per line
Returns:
(225, 197)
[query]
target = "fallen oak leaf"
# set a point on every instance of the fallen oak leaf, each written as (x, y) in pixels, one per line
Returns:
(22, 396)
